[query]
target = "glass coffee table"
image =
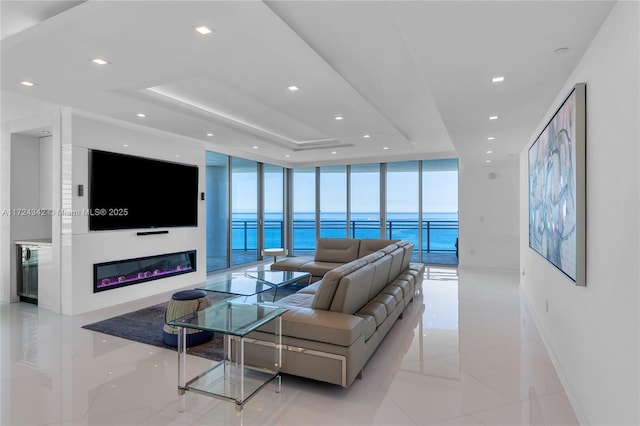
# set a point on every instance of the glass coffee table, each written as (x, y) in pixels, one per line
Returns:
(229, 379)
(252, 283)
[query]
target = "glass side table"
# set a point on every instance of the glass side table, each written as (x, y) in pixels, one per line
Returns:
(229, 379)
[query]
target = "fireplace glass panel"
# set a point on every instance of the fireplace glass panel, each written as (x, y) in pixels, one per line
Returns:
(122, 273)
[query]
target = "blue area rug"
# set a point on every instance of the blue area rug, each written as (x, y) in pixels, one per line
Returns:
(145, 326)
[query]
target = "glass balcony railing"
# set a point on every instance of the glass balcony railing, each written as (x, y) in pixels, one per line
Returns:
(438, 236)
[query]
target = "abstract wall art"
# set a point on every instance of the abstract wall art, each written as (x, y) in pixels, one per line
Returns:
(557, 217)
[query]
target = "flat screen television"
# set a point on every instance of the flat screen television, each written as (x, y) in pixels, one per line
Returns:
(129, 192)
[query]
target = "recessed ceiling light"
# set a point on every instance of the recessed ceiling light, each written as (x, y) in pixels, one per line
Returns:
(177, 155)
(386, 147)
(203, 30)
(287, 156)
(366, 136)
(489, 152)
(100, 61)
(498, 79)
(493, 117)
(487, 161)
(333, 152)
(209, 134)
(28, 83)
(490, 138)
(141, 115)
(125, 145)
(339, 117)
(255, 147)
(293, 88)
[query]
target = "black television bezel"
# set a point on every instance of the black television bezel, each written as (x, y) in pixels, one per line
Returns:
(92, 177)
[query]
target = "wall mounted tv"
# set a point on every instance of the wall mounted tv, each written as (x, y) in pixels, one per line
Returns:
(129, 192)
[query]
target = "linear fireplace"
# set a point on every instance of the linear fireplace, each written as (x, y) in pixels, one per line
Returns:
(120, 273)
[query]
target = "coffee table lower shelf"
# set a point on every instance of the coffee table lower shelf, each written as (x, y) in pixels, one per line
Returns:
(225, 381)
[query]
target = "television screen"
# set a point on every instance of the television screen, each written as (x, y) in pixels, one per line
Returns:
(128, 192)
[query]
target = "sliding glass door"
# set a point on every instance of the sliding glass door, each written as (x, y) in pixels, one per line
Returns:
(365, 201)
(333, 202)
(304, 211)
(244, 211)
(217, 208)
(273, 201)
(440, 211)
(403, 203)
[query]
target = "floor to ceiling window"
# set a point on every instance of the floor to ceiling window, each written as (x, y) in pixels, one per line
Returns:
(244, 211)
(217, 207)
(440, 211)
(247, 207)
(273, 184)
(333, 202)
(402, 191)
(415, 200)
(365, 201)
(304, 211)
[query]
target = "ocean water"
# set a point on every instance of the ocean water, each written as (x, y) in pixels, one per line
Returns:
(439, 233)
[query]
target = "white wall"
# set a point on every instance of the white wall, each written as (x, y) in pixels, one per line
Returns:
(593, 332)
(83, 248)
(25, 189)
(25, 193)
(489, 215)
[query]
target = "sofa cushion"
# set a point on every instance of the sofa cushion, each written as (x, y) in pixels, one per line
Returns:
(353, 290)
(326, 290)
(408, 252)
(404, 285)
(418, 267)
(322, 326)
(376, 310)
(373, 257)
(389, 248)
(396, 263)
(301, 300)
(311, 288)
(319, 269)
(368, 246)
(407, 276)
(394, 291)
(338, 250)
(381, 276)
(387, 300)
(369, 325)
(291, 263)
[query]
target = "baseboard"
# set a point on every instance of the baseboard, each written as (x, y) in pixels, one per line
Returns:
(571, 396)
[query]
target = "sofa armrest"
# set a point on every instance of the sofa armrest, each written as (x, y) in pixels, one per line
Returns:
(319, 325)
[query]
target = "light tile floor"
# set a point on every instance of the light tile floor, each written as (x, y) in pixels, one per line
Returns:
(466, 353)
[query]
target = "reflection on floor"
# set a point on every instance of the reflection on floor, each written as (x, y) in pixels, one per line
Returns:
(466, 352)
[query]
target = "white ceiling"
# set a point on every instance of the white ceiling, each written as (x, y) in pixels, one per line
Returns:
(414, 75)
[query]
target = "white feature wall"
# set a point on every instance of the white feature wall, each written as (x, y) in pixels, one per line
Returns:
(488, 197)
(593, 333)
(82, 248)
(26, 195)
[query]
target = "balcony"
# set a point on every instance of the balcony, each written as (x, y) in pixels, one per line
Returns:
(438, 236)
